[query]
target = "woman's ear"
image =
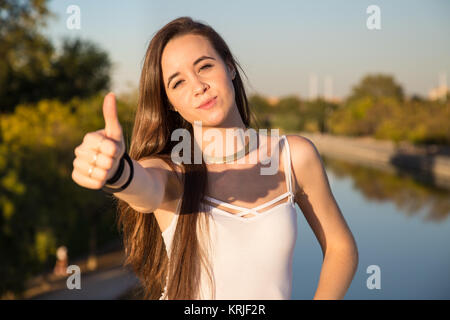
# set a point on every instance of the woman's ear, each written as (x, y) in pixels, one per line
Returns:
(171, 107)
(232, 71)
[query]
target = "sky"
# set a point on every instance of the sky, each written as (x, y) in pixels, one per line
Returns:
(280, 44)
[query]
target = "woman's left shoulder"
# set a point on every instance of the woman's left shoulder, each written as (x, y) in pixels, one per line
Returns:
(302, 149)
(305, 159)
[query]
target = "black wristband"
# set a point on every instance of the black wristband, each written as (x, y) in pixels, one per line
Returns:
(113, 190)
(118, 173)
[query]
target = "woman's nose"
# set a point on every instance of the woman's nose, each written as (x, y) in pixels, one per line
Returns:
(200, 87)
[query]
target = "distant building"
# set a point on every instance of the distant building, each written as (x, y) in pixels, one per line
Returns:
(334, 99)
(328, 88)
(438, 93)
(272, 100)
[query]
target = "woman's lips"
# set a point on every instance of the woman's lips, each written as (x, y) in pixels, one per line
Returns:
(210, 104)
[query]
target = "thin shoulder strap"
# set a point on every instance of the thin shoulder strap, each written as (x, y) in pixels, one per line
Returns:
(288, 167)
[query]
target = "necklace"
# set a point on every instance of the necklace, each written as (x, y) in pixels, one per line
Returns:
(250, 146)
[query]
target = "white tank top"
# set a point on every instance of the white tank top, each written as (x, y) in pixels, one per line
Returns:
(251, 257)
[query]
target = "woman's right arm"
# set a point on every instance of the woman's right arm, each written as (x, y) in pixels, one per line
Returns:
(146, 190)
(98, 158)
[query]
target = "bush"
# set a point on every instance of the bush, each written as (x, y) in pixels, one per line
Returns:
(41, 206)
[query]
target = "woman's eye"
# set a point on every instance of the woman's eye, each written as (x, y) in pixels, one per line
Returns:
(204, 67)
(176, 84)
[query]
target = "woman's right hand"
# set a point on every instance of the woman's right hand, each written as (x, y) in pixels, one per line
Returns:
(109, 146)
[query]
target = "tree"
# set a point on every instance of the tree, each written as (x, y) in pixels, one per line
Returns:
(259, 104)
(317, 113)
(32, 70)
(25, 53)
(41, 207)
(262, 110)
(287, 114)
(377, 86)
(82, 70)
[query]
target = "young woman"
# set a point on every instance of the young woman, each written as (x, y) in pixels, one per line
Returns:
(211, 229)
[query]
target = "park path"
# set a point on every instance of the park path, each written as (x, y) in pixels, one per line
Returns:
(108, 280)
(431, 163)
(107, 284)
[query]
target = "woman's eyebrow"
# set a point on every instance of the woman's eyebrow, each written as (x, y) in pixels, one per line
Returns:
(195, 62)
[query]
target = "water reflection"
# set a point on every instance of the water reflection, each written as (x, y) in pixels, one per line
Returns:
(409, 195)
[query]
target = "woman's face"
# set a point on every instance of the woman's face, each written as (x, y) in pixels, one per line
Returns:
(194, 73)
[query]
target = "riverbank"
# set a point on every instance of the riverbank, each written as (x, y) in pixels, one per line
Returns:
(103, 278)
(430, 164)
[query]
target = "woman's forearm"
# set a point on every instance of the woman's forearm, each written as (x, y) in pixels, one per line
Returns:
(146, 190)
(338, 268)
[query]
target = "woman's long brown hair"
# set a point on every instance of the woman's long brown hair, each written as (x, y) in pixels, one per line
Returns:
(154, 123)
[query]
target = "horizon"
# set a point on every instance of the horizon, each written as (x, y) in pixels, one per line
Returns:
(285, 67)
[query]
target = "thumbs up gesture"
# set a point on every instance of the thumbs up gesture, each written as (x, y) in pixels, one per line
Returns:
(97, 158)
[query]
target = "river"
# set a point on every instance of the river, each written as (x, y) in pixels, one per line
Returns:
(400, 225)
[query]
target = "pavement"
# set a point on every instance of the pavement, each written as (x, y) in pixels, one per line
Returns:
(430, 163)
(103, 285)
(102, 277)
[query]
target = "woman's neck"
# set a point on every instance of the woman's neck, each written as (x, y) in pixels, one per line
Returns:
(220, 141)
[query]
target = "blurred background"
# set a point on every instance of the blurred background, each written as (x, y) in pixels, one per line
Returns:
(369, 86)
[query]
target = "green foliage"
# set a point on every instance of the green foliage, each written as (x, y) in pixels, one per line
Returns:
(292, 114)
(259, 104)
(377, 86)
(287, 115)
(361, 116)
(262, 110)
(316, 113)
(41, 207)
(81, 70)
(25, 53)
(417, 122)
(377, 108)
(30, 67)
(48, 102)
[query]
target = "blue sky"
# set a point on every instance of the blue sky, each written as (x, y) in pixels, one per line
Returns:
(279, 44)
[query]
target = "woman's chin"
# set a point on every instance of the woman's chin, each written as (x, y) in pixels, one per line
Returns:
(213, 119)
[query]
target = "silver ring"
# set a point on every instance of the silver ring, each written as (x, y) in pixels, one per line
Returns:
(90, 171)
(94, 160)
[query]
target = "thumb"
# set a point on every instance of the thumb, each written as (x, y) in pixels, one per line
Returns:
(113, 129)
